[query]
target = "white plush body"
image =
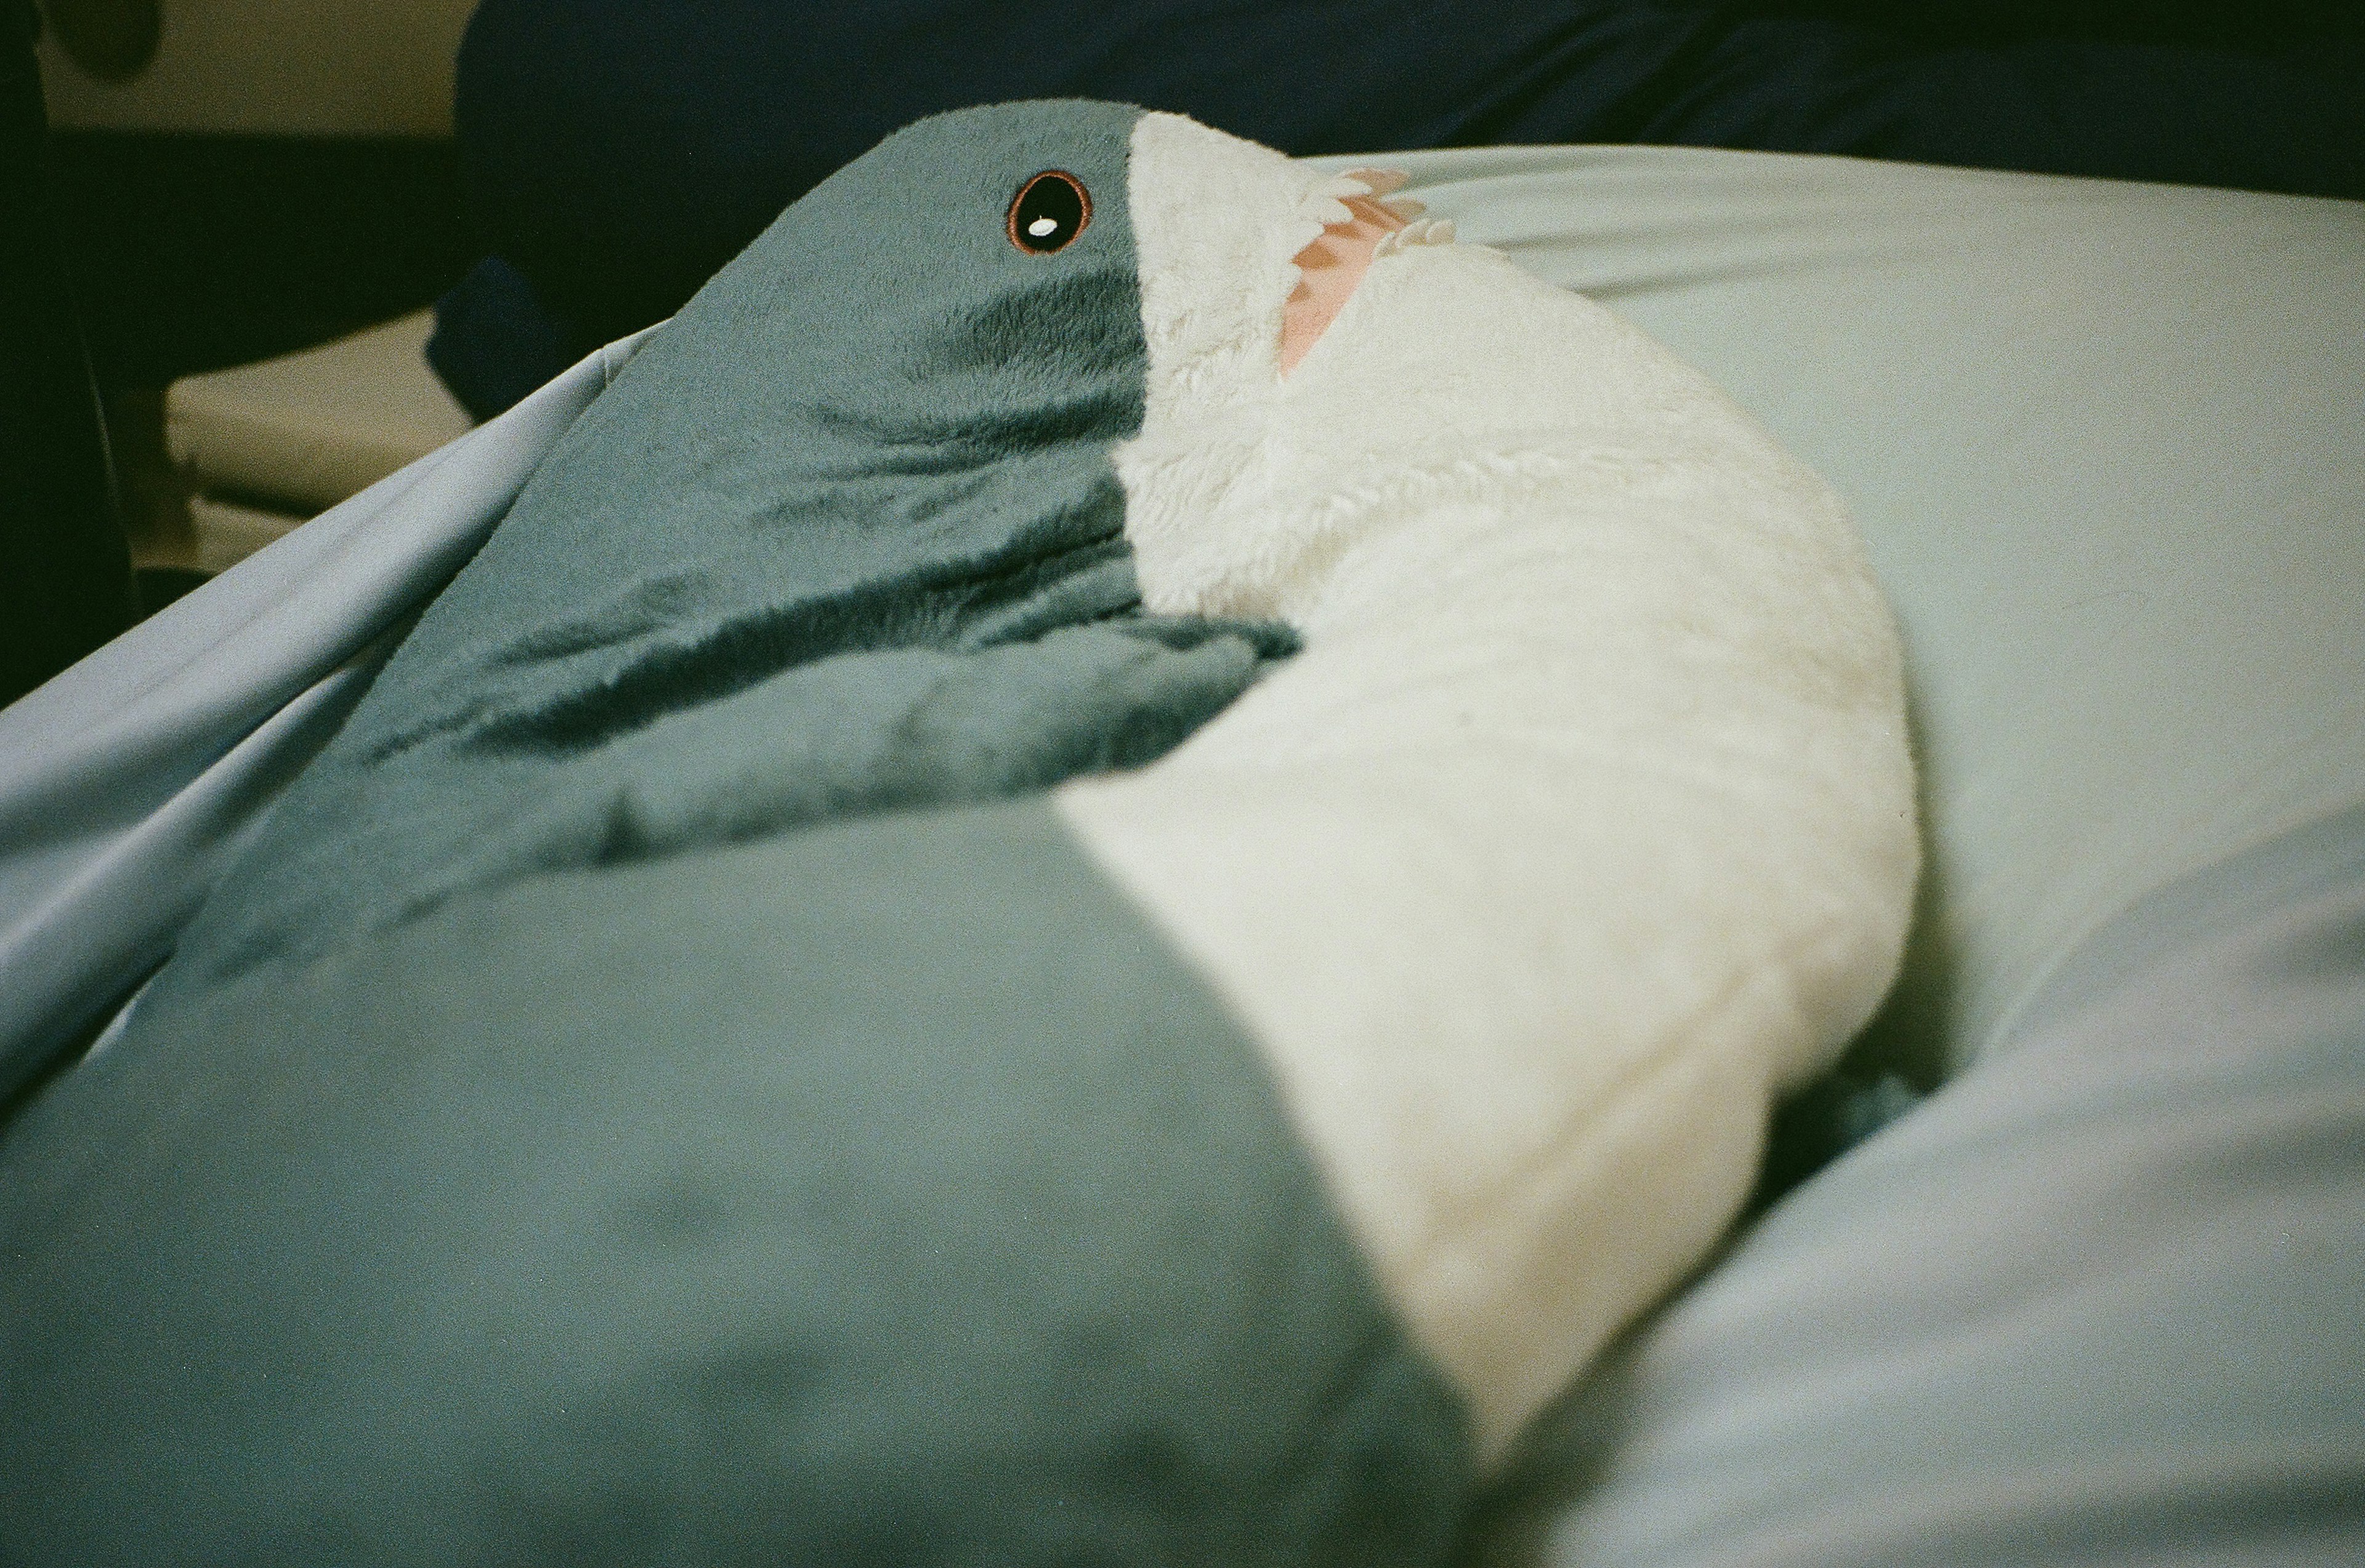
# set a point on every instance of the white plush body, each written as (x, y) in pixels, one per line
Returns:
(1584, 823)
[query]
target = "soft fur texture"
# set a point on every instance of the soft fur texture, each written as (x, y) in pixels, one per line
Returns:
(1582, 824)
(643, 1092)
(645, 1096)
(844, 536)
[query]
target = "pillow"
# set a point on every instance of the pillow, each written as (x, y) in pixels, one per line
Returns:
(987, 930)
(2094, 435)
(2095, 1303)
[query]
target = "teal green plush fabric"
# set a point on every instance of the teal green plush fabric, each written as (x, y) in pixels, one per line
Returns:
(844, 536)
(589, 1126)
(880, 1194)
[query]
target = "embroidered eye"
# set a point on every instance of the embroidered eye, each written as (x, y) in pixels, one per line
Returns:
(1050, 211)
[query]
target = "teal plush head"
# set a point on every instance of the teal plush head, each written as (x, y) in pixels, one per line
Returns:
(883, 389)
(845, 534)
(883, 366)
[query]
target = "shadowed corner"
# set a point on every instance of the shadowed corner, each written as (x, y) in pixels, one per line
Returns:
(1900, 1055)
(113, 41)
(1908, 1037)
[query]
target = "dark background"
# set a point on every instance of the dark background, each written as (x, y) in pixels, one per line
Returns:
(190, 253)
(613, 152)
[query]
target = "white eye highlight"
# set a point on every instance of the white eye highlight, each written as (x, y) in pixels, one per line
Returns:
(1047, 213)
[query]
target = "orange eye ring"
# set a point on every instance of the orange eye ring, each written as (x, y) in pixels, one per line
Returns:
(1047, 213)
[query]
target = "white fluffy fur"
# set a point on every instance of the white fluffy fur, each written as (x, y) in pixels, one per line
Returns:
(1584, 821)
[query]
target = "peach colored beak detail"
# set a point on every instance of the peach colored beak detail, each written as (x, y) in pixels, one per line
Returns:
(1328, 271)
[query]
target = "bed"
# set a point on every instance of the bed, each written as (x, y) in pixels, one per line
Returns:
(2093, 1300)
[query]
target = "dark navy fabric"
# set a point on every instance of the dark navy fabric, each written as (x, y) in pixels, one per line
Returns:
(617, 151)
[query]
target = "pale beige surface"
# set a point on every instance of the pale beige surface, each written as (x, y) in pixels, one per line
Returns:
(304, 432)
(208, 537)
(278, 67)
(224, 533)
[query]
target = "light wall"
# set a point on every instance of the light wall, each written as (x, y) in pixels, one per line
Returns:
(283, 67)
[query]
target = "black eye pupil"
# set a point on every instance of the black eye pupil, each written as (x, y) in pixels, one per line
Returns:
(1050, 210)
